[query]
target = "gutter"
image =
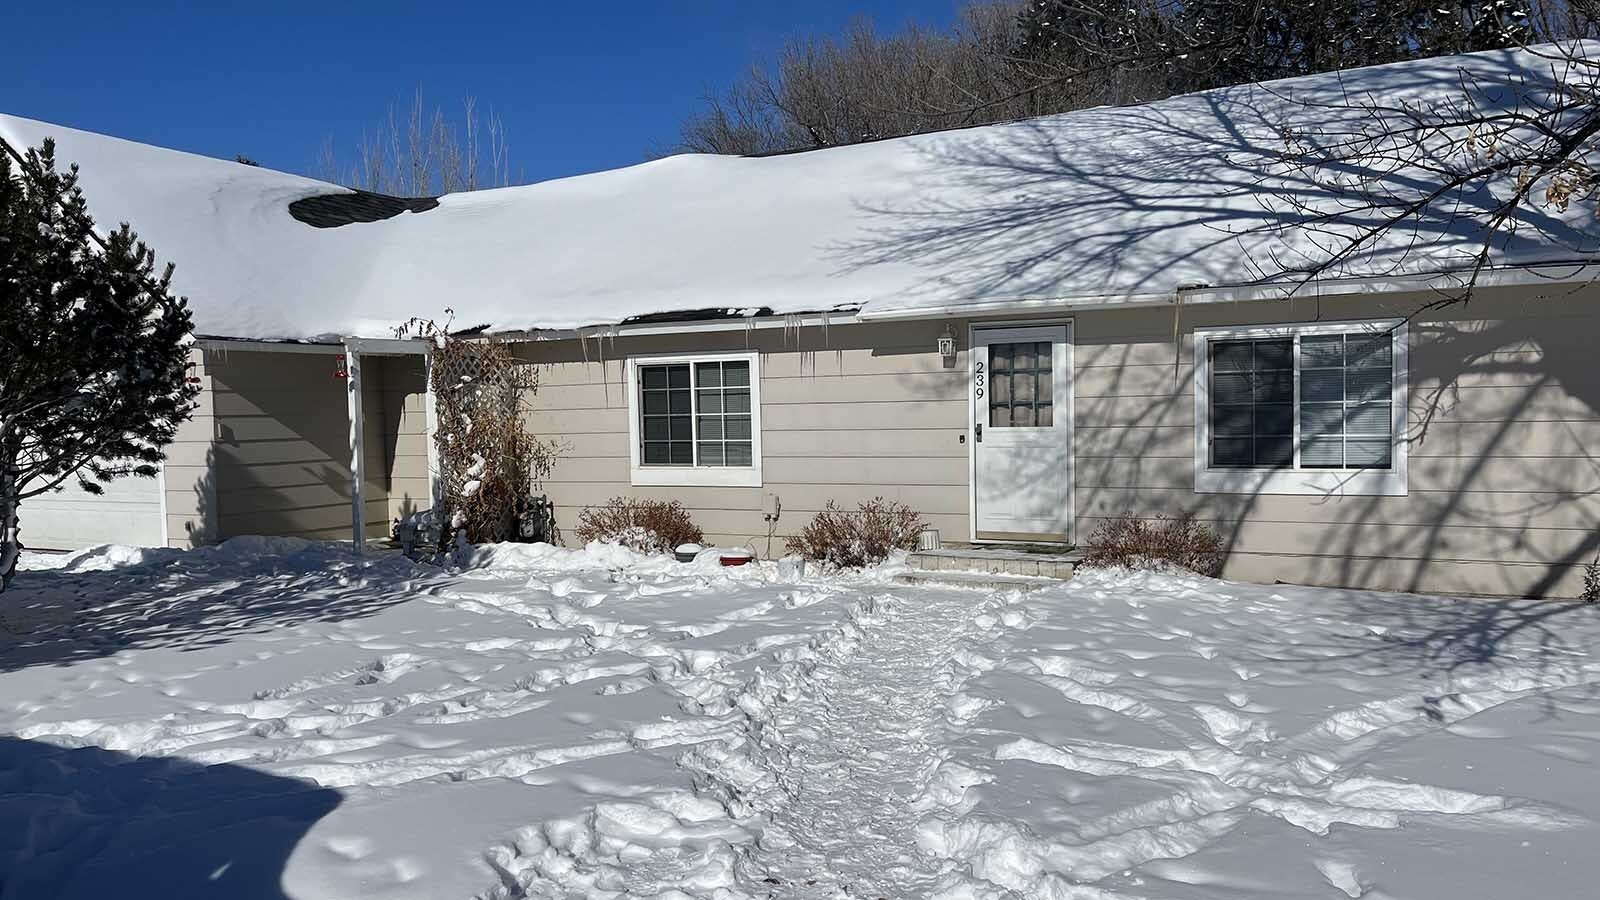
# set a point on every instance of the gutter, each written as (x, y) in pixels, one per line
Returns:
(1543, 274)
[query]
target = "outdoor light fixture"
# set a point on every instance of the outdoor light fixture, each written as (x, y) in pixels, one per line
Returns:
(947, 343)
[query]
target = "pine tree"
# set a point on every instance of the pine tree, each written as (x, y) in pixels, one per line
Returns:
(93, 347)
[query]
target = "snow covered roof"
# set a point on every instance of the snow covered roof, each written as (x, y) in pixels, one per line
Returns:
(1100, 203)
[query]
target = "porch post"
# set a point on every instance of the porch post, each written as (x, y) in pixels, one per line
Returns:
(430, 424)
(358, 467)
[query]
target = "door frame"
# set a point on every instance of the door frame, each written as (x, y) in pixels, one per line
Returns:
(1070, 422)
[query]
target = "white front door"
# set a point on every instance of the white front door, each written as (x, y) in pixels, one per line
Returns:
(1022, 433)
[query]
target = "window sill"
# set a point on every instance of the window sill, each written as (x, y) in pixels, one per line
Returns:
(1301, 482)
(695, 476)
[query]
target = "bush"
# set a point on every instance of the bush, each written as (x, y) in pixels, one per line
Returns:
(860, 538)
(1134, 543)
(646, 526)
(1591, 583)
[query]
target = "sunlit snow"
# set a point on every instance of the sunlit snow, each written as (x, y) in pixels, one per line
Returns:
(272, 718)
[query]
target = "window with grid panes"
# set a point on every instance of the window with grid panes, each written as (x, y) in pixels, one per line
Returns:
(1020, 379)
(695, 414)
(1340, 393)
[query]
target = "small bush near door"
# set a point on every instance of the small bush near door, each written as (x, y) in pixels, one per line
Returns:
(861, 538)
(647, 526)
(1134, 543)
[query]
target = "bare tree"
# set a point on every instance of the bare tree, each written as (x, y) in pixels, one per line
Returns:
(1500, 162)
(824, 92)
(418, 150)
(1013, 59)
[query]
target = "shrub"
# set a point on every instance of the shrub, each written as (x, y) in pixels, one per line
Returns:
(1152, 543)
(1591, 582)
(646, 526)
(859, 538)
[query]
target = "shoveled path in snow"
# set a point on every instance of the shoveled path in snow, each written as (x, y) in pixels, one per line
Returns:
(853, 756)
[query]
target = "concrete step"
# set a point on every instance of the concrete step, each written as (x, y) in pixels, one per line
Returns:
(984, 581)
(997, 561)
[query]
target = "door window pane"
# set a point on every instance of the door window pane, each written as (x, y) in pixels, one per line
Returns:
(1020, 385)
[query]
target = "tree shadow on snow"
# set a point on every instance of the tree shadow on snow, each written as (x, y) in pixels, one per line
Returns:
(82, 823)
(186, 601)
(1389, 634)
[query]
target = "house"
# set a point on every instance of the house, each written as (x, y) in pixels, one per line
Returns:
(1019, 330)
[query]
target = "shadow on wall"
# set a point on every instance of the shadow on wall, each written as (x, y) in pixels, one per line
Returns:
(1504, 497)
(181, 600)
(283, 448)
(201, 529)
(1504, 417)
(88, 823)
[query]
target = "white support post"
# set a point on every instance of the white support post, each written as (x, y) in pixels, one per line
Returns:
(358, 467)
(430, 424)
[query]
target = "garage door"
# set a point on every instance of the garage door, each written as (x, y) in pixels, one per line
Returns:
(129, 512)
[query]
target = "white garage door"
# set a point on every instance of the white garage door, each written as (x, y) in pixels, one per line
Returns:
(129, 512)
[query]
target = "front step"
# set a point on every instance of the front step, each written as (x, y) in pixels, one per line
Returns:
(997, 567)
(1057, 564)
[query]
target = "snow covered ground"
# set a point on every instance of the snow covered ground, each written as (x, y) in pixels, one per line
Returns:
(271, 719)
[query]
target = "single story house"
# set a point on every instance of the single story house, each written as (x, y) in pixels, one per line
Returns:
(1019, 330)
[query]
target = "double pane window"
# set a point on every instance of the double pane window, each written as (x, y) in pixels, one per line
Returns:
(1307, 401)
(695, 414)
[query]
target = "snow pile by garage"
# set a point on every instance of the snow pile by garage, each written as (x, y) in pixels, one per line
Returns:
(1096, 204)
(257, 721)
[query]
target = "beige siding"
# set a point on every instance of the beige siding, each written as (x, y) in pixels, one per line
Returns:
(281, 457)
(188, 477)
(1504, 493)
(405, 433)
(847, 415)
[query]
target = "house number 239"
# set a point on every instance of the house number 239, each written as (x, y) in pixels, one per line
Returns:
(977, 380)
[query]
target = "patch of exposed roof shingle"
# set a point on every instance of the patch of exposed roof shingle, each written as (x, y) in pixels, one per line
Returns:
(333, 210)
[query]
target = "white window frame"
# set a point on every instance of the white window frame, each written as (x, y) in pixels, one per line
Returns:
(1391, 482)
(696, 475)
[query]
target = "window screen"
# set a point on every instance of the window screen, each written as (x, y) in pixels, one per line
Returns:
(695, 414)
(1346, 392)
(1020, 380)
(722, 410)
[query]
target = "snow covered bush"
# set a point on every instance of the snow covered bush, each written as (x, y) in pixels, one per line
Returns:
(489, 462)
(1591, 582)
(648, 526)
(861, 538)
(93, 346)
(1134, 543)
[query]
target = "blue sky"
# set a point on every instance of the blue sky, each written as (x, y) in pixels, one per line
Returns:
(580, 86)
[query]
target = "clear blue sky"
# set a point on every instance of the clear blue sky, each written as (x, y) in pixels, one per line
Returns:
(580, 86)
